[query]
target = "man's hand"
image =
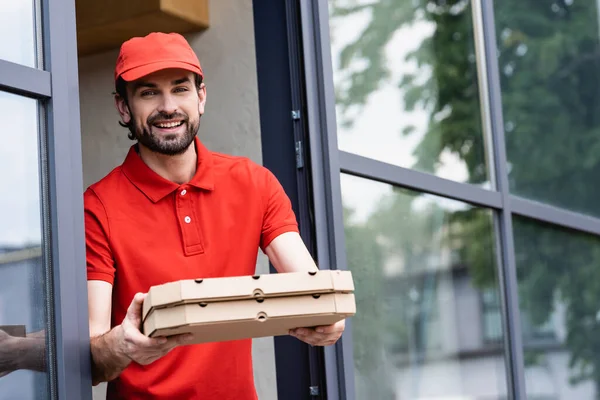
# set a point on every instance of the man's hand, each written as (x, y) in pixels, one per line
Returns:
(138, 347)
(22, 352)
(7, 356)
(113, 351)
(321, 335)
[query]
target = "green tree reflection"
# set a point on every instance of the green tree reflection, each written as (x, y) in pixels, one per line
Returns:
(549, 59)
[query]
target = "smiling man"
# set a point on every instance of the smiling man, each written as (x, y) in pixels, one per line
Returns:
(175, 210)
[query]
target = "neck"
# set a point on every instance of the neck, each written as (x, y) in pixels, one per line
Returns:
(179, 168)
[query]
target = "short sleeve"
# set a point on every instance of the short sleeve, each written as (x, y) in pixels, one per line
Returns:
(278, 215)
(99, 259)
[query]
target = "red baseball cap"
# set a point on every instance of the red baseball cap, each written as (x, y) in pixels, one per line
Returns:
(140, 56)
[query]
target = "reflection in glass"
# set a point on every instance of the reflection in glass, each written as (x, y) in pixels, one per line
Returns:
(22, 292)
(549, 62)
(406, 85)
(423, 267)
(17, 30)
(559, 288)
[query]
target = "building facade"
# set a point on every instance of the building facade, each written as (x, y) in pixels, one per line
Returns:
(443, 151)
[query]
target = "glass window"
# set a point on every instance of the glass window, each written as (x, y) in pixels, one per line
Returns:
(406, 85)
(533, 333)
(17, 30)
(549, 66)
(421, 263)
(492, 316)
(559, 291)
(22, 289)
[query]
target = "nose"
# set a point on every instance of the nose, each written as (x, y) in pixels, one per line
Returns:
(168, 104)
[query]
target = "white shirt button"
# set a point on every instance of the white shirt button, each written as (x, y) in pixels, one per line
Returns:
(183, 192)
(187, 219)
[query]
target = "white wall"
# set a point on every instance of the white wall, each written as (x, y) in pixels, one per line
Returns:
(230, 124)
(485, 378)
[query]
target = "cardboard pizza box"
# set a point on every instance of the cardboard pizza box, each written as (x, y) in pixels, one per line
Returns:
(246, 287)
(249, 318)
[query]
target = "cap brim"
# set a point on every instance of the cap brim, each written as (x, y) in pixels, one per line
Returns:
(141, 71)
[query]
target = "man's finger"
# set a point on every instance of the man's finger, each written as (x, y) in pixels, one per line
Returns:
(137, 338)
(178, 340)
(152, 342)
(315, 332)
(310, 335)
(134, 311)
(162, 343)
(165, 343)
(318, 342)
(327, 330)
(314, 338)
(333, 328)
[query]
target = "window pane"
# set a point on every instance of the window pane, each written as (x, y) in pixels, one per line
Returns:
(17, 30)
(559, 292)
(423, 267)
(550, 79)
(22, 291)
(406, 85)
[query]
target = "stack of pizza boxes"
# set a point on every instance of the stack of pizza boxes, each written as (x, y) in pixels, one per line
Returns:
(231, 308)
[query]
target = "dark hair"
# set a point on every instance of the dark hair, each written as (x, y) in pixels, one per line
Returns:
(121, 90)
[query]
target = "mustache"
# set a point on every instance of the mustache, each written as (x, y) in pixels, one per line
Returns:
(164, 116)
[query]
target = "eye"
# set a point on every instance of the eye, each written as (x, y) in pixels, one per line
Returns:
(180, 89)
(147, 93)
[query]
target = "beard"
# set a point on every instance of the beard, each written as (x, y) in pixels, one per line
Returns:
(166, 144)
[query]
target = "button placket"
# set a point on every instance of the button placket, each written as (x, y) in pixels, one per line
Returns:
(192, 238)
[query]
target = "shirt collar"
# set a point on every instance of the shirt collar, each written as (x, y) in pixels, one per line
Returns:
(154, 186)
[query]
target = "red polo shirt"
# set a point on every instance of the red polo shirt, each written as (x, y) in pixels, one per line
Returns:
(143, 230)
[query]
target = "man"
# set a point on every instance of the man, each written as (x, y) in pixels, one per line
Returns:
(174, 210)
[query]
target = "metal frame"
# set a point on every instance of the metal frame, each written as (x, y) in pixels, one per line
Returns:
(316, 355)
(555, 216)
(325, 169)
(483, 13)
(26, 81)
(376, 170)
(65, 189)
(298, 366)
(61, 194)
(328, 162)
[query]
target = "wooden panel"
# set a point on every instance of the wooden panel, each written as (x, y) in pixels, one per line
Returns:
(104, 25)
(195, 12)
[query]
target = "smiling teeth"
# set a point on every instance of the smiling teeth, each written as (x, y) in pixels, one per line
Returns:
(169, 124)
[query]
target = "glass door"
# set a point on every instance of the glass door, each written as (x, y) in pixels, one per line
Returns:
(43, 332)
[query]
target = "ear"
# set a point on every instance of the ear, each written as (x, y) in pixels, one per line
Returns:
(201, 98)
(123, 109)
